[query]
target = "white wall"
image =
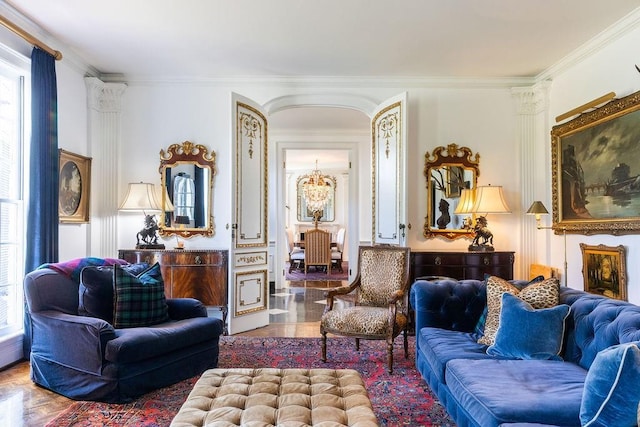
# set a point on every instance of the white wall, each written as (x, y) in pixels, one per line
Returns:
(155, 116)
(72, 136)
(611, 69)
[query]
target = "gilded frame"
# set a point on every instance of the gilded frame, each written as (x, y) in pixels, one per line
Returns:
(74, 187)
(590, 192)
(444, 170)
(604, 270)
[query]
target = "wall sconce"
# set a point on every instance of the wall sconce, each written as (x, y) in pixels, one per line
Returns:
(141, 197)
(538, 209)
(489, 200)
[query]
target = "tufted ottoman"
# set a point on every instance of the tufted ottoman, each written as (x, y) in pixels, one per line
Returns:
(277, 397)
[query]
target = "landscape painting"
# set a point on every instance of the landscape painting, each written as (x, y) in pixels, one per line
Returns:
(596, 170)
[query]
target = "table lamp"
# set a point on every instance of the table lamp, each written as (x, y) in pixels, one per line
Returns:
(141, 197)
(489, 200)
(538, 209)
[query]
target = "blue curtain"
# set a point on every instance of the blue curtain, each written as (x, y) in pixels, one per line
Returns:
(42, 217)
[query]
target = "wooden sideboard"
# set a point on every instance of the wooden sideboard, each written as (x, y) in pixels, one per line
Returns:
(461, 265)
(200, 274)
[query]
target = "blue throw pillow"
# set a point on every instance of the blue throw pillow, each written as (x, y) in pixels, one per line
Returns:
(138, 300)
(479, 328)
(527, 333)
(612, 388)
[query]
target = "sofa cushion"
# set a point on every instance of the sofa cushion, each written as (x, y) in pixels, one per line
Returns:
(540, 295)
(138, 300)
(500, 391)
(611, 389)
(96, 290)
(527, 333)
(138, 344)
(441, 345)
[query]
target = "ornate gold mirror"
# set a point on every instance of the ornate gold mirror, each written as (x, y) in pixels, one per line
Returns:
(450, 170)
(187, 172)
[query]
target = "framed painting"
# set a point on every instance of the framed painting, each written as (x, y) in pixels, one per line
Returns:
(596, 170)
(74, 187)
(604, 270)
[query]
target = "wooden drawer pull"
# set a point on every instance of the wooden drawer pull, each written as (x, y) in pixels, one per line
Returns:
(198, 259)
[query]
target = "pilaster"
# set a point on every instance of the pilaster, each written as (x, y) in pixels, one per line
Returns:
(104, 121)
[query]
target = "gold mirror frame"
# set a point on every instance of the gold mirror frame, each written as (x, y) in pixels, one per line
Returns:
(328, 213)
(196, 156)
(448, 170)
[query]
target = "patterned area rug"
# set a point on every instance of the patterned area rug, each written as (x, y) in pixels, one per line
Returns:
(402, 398)
(313, 274)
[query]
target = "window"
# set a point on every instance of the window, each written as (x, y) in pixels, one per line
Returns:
(11, 200)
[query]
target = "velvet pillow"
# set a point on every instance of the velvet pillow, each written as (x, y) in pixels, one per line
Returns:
(138, 300)
(479, 328)
(611, 388)
(527, 333)
(543, 294)
(96, 290)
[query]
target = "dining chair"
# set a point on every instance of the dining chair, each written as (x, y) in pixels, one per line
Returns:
(296, 255)
(337, 251)
(317, 249)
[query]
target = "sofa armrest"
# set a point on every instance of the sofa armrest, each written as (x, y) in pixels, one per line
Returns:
(448, 304)
(185, 308)
(74, 341)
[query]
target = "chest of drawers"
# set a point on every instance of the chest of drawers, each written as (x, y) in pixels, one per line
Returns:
(200, 274)
(461, 265)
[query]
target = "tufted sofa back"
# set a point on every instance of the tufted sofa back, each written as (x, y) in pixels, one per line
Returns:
(596, 323)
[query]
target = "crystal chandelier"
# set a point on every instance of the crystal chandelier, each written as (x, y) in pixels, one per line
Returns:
(316, 192)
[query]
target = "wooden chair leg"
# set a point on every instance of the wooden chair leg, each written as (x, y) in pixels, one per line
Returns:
(390, 357)
(357, 344)
(323, 345)
(406, 344)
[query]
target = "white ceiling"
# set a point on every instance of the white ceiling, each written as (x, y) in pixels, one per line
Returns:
(300, 38)
(155, 40)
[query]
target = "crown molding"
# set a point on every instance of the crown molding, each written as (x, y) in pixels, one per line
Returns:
(616, 31)
(324, 81)
(69, 57)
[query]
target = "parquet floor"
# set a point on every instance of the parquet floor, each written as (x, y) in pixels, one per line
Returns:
(294, 312)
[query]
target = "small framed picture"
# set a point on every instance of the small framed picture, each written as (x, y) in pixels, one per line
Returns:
(604, 270)
(74, 187)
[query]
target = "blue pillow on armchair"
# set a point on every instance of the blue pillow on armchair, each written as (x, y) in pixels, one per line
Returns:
(544, 330)
(611, 388)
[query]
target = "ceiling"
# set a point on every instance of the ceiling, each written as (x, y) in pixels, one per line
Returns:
(191, 40)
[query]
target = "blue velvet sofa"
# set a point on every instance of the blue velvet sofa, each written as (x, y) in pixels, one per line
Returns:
(81, 356)
(478, 389)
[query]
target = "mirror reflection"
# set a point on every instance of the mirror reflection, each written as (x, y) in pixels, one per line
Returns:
(450, 172)
(187, 179)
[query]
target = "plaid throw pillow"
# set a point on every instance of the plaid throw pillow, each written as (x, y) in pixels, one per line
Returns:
(138, 300)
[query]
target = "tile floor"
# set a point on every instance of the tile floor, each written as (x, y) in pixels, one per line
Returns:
(300, 301)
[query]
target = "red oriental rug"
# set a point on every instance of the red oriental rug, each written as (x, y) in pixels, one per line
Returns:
(402, 398)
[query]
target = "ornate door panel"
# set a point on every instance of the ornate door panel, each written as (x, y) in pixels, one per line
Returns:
(249, 247)
(389, 143)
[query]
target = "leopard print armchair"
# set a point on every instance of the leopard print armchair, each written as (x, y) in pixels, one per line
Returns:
(380, 309)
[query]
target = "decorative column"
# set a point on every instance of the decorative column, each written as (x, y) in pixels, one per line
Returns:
(104, 123)
(534, 140)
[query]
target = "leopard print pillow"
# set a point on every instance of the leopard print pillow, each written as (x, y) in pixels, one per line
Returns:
(543, 294)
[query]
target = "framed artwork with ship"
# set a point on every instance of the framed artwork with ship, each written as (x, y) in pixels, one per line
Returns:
(596, 170)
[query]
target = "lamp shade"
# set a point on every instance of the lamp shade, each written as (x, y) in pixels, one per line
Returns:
(490, 199)
(467, 199)
(537, 208)
(168, 206)
(140, 197)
